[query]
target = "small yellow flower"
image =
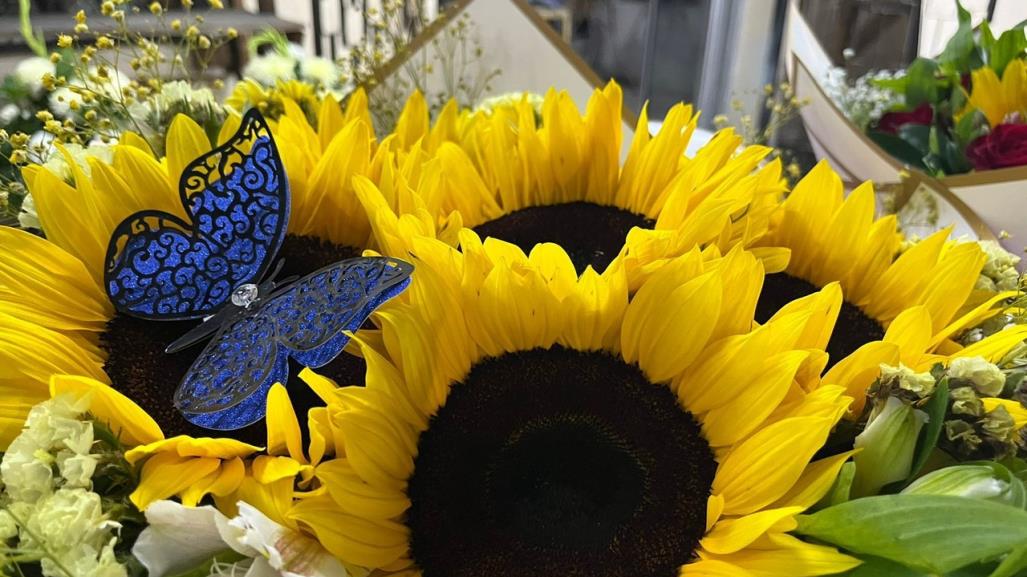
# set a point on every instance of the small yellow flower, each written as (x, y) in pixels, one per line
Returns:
(104, 42)
(155, 8)
(232, 33)
(81, 29)
(176, 24)
(55, 57)
(63, 41)
(203, 42)
(217, 4)
(80, 17)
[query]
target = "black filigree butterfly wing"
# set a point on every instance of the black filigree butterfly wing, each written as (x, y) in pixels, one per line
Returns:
(227, 386)
(161, 267)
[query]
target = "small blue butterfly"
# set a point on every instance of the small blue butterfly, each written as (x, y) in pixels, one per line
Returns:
(161, 267)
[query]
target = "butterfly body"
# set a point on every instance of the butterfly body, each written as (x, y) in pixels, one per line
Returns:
(162, 267)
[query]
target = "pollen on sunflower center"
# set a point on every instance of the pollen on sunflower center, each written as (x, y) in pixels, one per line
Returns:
(138, 366)
(852, 330)
(590, 233)
(558, 462)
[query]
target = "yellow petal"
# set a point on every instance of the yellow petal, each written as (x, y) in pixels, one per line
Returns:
(815, 482)
(732, 535)
(124, 418)
(352, 539)
(781, 554)
(357, 497)
(167, 474)
(186, 142)
(766, 465)
(1014, 408)
(712, 568)
(283, 428)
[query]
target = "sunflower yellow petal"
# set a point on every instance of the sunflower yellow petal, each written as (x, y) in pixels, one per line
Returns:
(766, 465)
(131, 424)
(815, 482)
(283, 428)
(780, 554)
(167, 474)
(186, 142)
(350, 538)
(731, 535)
(358, 497)
(712, 568)
(857, 371)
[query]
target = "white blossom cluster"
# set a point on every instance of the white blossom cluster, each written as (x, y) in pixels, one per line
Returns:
(273, 67)
(999, 273)
(860, 100)
(48, 506)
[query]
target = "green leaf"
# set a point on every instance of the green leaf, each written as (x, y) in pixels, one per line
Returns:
(1013, 564)
(841, 490)
(899, 148)
(922, 83)
(972, 125)
(918, 135)
(959, 49)
(1010, 45)
(931, 533)
(935, 409)
(877, 567)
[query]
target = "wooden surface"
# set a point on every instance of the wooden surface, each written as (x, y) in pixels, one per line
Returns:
(246, 23)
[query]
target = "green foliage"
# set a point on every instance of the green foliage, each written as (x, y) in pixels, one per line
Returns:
(933, 534)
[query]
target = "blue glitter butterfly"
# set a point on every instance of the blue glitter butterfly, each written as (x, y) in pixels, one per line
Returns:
(162, 267)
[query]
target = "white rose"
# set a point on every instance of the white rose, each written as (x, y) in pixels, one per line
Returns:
(70, 518)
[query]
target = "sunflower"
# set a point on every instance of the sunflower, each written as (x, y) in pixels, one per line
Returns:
(508, 175)
(891, 307)
(530, 421)
(55, 317)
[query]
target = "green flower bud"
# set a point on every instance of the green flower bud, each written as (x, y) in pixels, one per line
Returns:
(985, 377)
(988, 481)
(888, 442)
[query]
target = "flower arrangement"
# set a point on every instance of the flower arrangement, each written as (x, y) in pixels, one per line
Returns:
(956, 113)
(531, 356)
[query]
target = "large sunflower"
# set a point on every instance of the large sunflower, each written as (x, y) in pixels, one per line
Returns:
(512, 174)
(534, 422)
(891, 307)
(54, 315)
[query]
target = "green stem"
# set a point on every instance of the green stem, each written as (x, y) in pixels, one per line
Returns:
(34, 39)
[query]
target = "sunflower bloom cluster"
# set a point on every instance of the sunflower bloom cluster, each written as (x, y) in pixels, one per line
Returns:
(639, 367)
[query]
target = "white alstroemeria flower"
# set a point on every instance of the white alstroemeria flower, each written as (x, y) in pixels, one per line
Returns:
(180, 538)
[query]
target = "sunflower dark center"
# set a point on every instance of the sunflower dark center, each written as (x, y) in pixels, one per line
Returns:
(590, 233)
(138, 366)
(853, 329)
(558, 462)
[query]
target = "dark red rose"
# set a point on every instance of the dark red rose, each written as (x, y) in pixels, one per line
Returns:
(1004, 146)
(891, 121)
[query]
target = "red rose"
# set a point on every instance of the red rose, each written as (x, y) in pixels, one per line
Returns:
(891, 121)
(1004, 146)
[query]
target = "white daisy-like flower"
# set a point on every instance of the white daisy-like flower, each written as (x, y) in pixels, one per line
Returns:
(60, 102)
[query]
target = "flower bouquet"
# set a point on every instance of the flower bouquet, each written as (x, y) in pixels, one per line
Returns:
(954, 117)
(481, 344)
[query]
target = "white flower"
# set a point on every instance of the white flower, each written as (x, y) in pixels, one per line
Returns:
(57, 162)
(26, 479)
(973, 481)
(888, 443)
(921, 384)
(27, 216)
(77, 470)
(30, 72)
(60, 102)
(862, 101)
(181, 91)
(9, 113)
(71, 517)
(270, 68)
(85, 561)
(510, 98)
(985, 377)
(999, 273)
(8, 527)
(178, 538)
(319, 70)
